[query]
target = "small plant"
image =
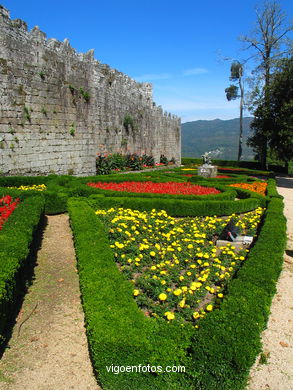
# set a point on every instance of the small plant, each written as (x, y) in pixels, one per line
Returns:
(11, 130)
(118, 161)
(1, 144)
(54, 111)
(84, 94)
(27, 114)
(72, 131)
(134, 162)
(124, 142)
(264, 356)
(16, 140)
(12, 146)
(103, 165)
(44, 111)
(70, 172)
(72, 88)
(128, 122)
(163, 159)
(42, 75)
(21, 91)
(148, 161)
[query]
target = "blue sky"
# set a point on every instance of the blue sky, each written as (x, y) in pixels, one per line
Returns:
(177, 46)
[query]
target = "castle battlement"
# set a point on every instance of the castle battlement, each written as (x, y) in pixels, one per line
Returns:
(60, 108)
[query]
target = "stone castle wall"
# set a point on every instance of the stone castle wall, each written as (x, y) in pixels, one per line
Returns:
(60, 108)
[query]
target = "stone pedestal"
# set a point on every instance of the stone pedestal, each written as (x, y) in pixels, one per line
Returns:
(207, 171)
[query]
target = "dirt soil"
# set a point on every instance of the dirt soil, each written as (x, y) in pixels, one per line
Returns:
(273, 369)
(48, 349)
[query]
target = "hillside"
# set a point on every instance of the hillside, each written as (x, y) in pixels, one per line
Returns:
(206, 135)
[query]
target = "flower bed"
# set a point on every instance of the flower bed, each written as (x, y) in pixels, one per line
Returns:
(7, 206)
(258, 187)
(34, 187)
(177, 271)
(158, 188)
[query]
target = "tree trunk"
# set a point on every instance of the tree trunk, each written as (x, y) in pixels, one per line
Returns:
(240, 120)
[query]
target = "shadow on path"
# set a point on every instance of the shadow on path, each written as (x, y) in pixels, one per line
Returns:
(24, 279)
(285, 181)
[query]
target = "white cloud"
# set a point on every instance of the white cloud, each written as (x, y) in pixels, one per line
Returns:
(155, 76)
(194, 71)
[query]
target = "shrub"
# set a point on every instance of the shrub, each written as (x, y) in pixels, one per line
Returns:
(163, 160)
(218, 355)
(134, 162)
(15, 239)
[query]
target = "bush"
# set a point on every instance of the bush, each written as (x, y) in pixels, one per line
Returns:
(103, 165)
(230, 163)
(134, 162)
(15, 239)
(223, 360)
(117, 330)
(149, 161)
(163, 160)
(177, 208)
(218, 355)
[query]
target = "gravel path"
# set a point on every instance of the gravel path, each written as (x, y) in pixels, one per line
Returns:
(277, 372)
(49, 351)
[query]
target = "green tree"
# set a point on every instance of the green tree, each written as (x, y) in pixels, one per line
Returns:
(270, 43)
(280, 137)
(232, 93)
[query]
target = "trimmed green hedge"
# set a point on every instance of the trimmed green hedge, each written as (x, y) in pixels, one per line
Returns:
(15, 239)
(272, 189)
(117, 330)
(178, 208)
(217, 356)
(226, 193)
(235, 164)
(228, 340)
(60, 188)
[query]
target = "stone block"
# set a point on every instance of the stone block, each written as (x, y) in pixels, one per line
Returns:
(207, 171)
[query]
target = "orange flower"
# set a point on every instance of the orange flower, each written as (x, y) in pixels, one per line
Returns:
(259, 187)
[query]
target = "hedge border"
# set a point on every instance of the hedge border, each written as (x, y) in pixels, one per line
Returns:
(228, 341)
(232, 163)
(178, 208)
(61, 188)
(110, 310)
(16, 237)
(234, 331)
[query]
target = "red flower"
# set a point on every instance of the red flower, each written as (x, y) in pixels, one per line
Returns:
(157, 188)
(7, 206)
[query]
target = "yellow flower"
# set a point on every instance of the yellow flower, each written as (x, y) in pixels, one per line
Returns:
(135, 292)
(177, 292)
(220, 295)
(182, 302)
(209, 307)
(152, 253)
(162, 297)
(170, 315)
(195, 315)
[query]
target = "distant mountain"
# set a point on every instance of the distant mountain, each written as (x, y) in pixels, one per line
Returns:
(209, 135)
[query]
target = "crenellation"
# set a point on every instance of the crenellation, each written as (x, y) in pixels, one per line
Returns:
(65, 107)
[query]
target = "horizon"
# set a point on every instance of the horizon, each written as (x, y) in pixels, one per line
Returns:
(216, 119)
(179, 50)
